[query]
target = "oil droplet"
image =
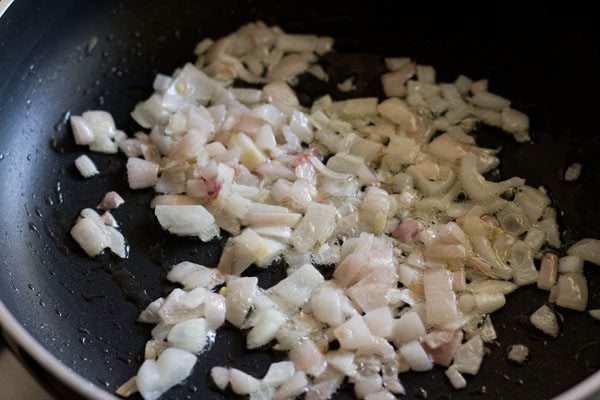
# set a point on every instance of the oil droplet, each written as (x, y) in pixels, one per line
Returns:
(49, 200)
(31, 287)
(38, 212)
(83, 330)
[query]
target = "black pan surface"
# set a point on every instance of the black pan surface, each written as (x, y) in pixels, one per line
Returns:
(83, 310)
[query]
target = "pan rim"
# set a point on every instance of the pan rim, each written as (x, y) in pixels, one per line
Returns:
(16, 332)
(10, 326)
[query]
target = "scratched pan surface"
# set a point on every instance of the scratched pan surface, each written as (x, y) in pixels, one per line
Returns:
(83, 310)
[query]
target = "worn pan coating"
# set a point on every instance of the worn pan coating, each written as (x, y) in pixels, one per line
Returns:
(82, 311)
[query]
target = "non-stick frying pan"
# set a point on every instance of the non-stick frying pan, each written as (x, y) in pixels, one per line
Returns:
(82, 311)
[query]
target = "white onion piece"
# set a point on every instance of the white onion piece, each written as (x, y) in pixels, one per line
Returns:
(278, 373)
(82, 132)
(268, 323)
(545, 320)
(416, 357)
(214, 310)
(476, 186)
(325, 386)
(469, 356)
(518, 353)
(455, 377)
(156, 377)
(595, 314)
(326, 307)
(489, 302)
(572, 291)
(408, 328)
(220, 377)
(110, 201)
(239, 298)
(187, 221)
(180, 306)
(343, 361)
(292, 387)
(490, 101)
(353, 334)
(491, 286)
(439, 297)
(381, 395)
(316, 226)
(86, 166)
(570, 264)
(586, 249)
(93, 235)
(242, 383)
(308, 358)
(141, 173)
(189, 335)
(379, 321)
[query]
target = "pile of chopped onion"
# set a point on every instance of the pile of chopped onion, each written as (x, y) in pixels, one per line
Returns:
(369, 189)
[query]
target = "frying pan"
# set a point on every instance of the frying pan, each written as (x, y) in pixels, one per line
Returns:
(71, 318)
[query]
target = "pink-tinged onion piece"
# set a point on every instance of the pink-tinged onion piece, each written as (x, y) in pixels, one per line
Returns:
(82, 132)
(110, 201)
(308, 358)
(442, 345)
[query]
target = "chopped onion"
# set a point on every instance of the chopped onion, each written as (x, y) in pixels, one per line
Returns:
(242, 383)
(572, 291)
(220, 377)
(416, 357)
(545, 320)
(110, 201)
(455, 377)
(156, 377)
(469, 356)
(308, 358)
(86, 166)
(518, 353)
(586, 249)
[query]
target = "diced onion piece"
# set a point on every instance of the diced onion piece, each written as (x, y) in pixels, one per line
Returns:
(220, 377)
(353, 334)
(343, 361)
(156, 377)
(308, 358)
(595, 314)
(490, 101)
(240, 297)
(521, 262)
(187, 221)
(110, 201)
(379, 321)
(586, 249)
(572, 291)
(441, 345)
(455, 377)
(518, 353)
(278, 373)
(545, 320)
(82, 132)
(476, 186)
(242, 383)
(268, 323)
(93, 235)
(189, 335)
(141, 173)
(292, 387)
(416, 357)
(514, 121)
(570, 264)
(407, 328)
(439, 297)
(469, 356)
(86, 166)
(296, 289)
(573, 172)
(489, 302)
(548, 271)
